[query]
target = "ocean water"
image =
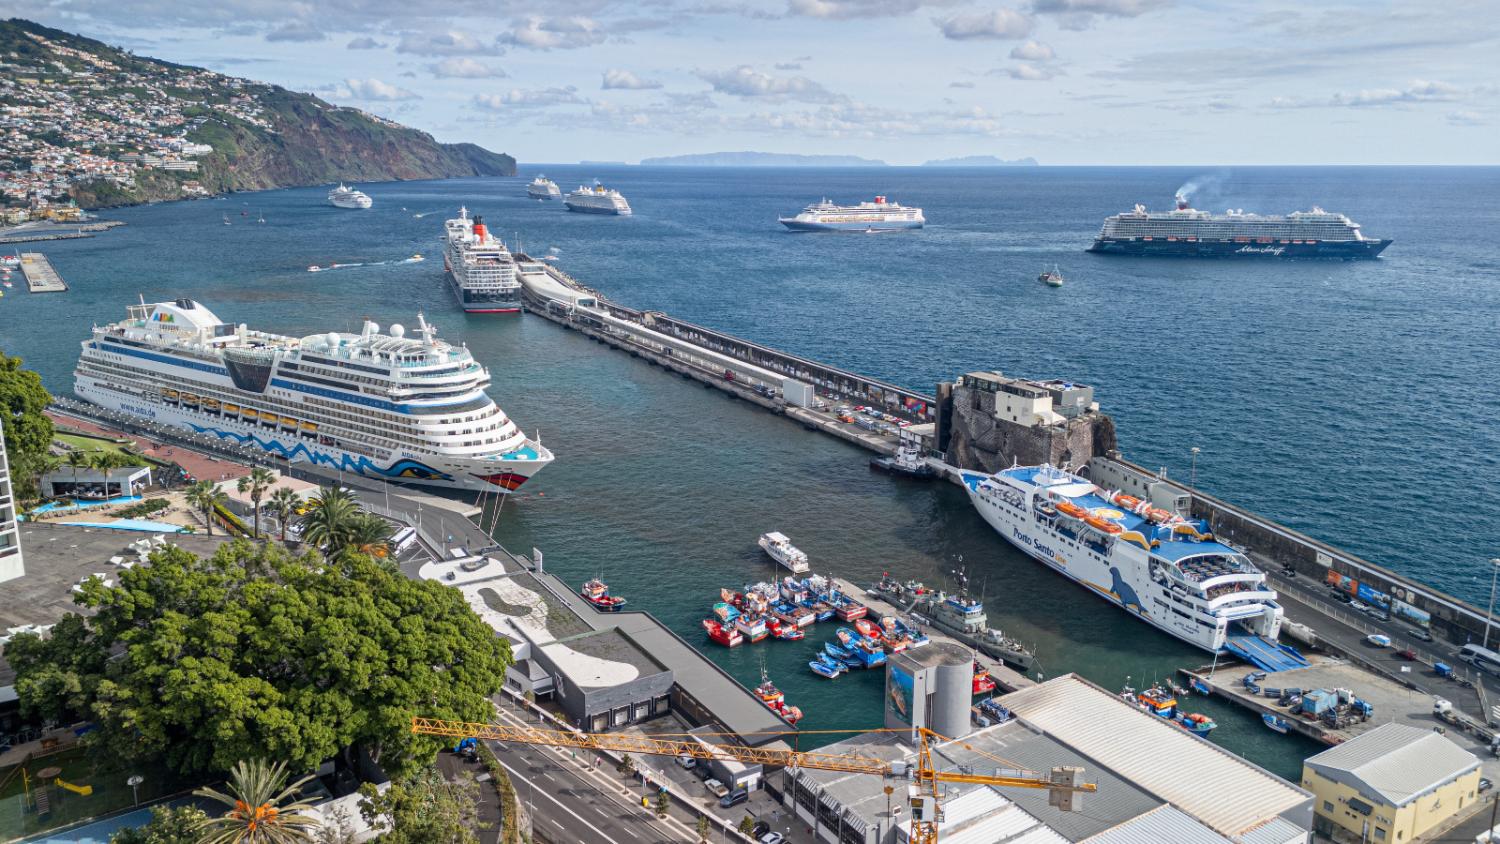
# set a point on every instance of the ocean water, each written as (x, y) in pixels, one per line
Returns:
(1352, 401)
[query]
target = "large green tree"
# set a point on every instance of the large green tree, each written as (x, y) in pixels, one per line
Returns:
(28, 431)
(254, 653)
(424, 808)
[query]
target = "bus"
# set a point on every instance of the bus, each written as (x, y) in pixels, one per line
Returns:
(1482, 658)
(403, 539)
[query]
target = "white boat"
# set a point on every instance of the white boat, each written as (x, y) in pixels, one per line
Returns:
(347, 197)
(597, 200)
(481, 269)
(1052, 277)
(784, 552)
(543, 188)
(877, 216)
(1153, 562)
(384, 405)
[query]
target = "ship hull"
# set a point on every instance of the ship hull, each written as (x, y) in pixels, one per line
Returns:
(473, 303)
(541, 194)
(893, 225)
(1339, 250)
(593, 209)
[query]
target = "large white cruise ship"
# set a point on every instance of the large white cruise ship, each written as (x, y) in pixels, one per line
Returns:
(597, 200)
(481, 268)
(1158, 565)
(344, 196)
(543, 188)
(383, 405)
(879, 215)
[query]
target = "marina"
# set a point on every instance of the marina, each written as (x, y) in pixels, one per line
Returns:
(40, 275)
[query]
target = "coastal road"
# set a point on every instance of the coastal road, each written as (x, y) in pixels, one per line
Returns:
(564, 808)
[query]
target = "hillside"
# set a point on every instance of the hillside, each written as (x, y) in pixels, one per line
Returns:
(111, 128)
(761, 159)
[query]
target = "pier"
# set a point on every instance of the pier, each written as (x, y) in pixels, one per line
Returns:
(45, 230)
(1005, 677)
(41, 277)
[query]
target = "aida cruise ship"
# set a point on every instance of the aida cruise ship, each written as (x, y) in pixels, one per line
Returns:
(382, 405)
(1157, 565)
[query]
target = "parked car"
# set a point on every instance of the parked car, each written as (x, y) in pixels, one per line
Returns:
(1419, 634)
(760, 828)
(772, 838)
(1485, 785)
(734, 798)
(687, 762)
(718, 789)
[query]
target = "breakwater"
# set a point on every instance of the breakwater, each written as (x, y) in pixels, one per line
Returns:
(40, 275)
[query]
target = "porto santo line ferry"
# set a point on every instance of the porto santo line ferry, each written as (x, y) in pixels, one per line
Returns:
(1157, 565)
(382, 405)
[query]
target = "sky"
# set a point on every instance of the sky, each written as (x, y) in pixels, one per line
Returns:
(1103, 82)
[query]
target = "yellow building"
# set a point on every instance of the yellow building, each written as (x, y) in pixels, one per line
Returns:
(1392, 785)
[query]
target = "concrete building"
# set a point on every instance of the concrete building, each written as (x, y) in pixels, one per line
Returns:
(1397, 783)
(11, 564)
(604, 679)
(1154, 782)
(1030, 403)
(988, 421)
(95, 483)
(931, 687)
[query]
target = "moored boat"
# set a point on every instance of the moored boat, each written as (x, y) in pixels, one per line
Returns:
(596, 592)
(722, 634)
(983, 682)
(1275, 722)
(1196, 723)
(781, 549)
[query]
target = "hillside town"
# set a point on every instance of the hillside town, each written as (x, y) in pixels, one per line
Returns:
(70, 117)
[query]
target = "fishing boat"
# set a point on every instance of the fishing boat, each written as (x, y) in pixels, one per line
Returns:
(1196, 723)
(1158, 701)
(983, 682)
(1275, 722)
(722, 634)
(1201, 686)
(1052, 277)
(825, 666)
(596, 592)
(768, 693)
(752, 627)
(789, 633)
(867, 628)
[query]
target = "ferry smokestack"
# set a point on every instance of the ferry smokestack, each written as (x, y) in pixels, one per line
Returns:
(1182, 202)
(479, 230)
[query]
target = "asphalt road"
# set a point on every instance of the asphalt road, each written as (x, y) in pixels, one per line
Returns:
(564, 808)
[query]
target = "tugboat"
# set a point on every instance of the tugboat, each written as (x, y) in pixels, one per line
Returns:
(596, 592)
(783, 551)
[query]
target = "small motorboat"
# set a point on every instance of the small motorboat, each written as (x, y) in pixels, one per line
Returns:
(838, 652)
(1052, 277)
(415, 258)
(1196, 723)
(314, 269)
(824, 666)
(1201, 686)
(596, 592)
(1275, 722)
(867, 628)
(789, 633)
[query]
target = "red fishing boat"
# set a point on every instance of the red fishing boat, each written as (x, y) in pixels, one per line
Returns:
(596, 592)
(722, 634)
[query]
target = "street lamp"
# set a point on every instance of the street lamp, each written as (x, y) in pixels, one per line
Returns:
(1193, 482)
(134, 782)
(1489, 618)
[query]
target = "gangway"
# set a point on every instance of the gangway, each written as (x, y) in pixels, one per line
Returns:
(1264, 653)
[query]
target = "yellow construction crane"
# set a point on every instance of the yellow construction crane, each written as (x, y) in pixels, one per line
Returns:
(1063, 784)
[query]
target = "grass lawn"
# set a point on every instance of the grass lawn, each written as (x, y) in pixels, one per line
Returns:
(89, 444)
(106, 776)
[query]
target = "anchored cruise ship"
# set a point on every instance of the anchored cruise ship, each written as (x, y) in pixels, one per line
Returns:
(543, 188)
(879, 215)
(383, 405)
(1156, 564)
(481, 268)
(347, 197)
(597, 200)
(1187, 232)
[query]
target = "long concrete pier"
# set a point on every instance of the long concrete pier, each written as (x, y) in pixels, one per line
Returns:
(41, 277)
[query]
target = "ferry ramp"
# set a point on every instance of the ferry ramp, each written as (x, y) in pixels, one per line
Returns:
(1264, 653)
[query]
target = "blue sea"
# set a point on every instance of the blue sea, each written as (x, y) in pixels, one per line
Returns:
(1352, 401)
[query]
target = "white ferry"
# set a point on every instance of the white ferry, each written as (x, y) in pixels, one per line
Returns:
(1158, 565)
(382, 405)
(783, 551)
(880, 215)
(481, 268)
(597, 200)
(347, 197)
(543, 188)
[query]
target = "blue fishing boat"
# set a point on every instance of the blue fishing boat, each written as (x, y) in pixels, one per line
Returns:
(837, 651)
(1201, 686)
(1275, 722)
(1196, 723)
(824, 666)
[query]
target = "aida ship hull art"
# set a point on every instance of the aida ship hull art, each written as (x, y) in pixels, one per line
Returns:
(1185, 232)
(380, 405)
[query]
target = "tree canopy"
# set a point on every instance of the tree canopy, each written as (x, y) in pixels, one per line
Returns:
(424, 808)
(254, 653)
(28, 431)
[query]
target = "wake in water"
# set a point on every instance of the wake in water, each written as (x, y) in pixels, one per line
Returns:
(420, 214)
(336, 266)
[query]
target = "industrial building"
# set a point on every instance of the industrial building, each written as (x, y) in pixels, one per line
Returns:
(1397, 783)
(1155, 782)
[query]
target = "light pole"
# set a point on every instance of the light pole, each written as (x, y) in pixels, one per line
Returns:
(1489, 618)
(134, 782)
(1193, 476)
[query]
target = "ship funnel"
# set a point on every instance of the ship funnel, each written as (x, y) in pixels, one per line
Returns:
(480, 233)
(1182, 202)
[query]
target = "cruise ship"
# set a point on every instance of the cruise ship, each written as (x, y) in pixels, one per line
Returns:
(880, 215)
(1157, 565)
(383, 405)
(597, 200)
(344, 196)
(543, 188)
(1187, 232)
(481, 269)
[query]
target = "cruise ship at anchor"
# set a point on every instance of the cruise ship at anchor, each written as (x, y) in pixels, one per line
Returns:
(1157, 565)
(344, 196)
(481, 269)
(1187, 232)
(543, 188)
(382, 405)
(597, 200)
(880, 215)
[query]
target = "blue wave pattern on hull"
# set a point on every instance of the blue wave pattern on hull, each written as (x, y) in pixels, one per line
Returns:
(405, 468)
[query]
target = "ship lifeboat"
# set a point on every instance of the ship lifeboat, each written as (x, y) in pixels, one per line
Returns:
(249, 412)
(288, 422)
(1101, 524)
(1158, 515)
(310, 427)
(189, 398)
(230, 408)
(1127, 502)
(1068, 508)
(720, 634)
(210, 404)
(792, 714)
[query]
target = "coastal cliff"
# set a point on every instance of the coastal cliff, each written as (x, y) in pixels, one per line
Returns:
(121, 129)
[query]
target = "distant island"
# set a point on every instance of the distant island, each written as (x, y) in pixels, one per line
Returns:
(602, 164)
(760, 159)
(102, 127)
(981, 161)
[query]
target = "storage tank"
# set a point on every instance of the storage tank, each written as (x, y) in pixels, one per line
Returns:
(930, 687)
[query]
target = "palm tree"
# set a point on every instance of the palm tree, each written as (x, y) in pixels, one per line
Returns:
(329, 519)
(78, 459)
(259, 809)
(255, 484)
(368, 535)
(206, 497)
(284, 503)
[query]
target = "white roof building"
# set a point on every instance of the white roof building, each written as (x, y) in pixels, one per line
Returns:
(1395, 763)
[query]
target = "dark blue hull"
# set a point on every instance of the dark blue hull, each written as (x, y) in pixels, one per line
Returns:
(1342, 250)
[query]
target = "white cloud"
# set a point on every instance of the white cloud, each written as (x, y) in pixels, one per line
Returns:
(1466, 118)
(1115, 8)
(745, 81)
(374, 89)
(562, 33)
(532, 98)
(849, 9)
(998, 24)
(960, 84)
(624, 80)
(1418, 91)
(449, 43)
(1027, 72)
(296, 31)
(364, 43)
(1033, 51)
(789, 65)
(858, 120)
(465, 68)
